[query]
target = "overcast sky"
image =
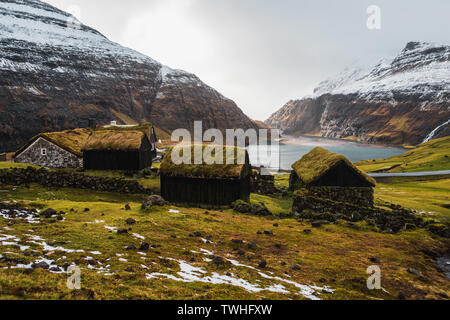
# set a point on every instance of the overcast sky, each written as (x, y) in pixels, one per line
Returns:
(262, 53)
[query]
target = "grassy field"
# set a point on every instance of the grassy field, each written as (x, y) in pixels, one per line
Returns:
(430, 156)
(330, 262)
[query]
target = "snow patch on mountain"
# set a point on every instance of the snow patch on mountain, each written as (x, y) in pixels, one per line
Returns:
(421, 68)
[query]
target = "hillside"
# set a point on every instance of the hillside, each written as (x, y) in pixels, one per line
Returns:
(56, 73)
(400, 101)
(430, 156)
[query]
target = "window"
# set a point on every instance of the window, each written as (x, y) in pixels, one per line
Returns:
(43, 151)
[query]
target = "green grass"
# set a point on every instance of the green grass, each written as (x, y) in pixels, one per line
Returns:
(337, 253)
(8, 165)
(430, 197)
(431, 156)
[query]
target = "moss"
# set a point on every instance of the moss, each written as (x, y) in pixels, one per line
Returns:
(318, 162)
(220, 171)
(115, 140)
(70, 140)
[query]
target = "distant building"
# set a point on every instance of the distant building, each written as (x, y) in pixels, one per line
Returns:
(116, 147)
(54, 149)
(209, 184)
(322, 168)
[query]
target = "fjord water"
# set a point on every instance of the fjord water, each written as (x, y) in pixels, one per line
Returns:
(293, 149)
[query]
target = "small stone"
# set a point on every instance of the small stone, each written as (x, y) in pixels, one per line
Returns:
(322, 280)
(307, 231)
(262, 264)
(55, 269)
(275, 225)
(127, 207)
(129, 269)
(130, 221)
(278, 245)
(28, 271)
(414, 271)
(259, 232)
(252, 245)
(42, 265)
(268, 232)
(131, 247)
(283, 263)
(295, 267)
(87, 209)
(173, 236)
(218, 260)
(237, 241)
(122, 231)
(197, 234)
(374, 260)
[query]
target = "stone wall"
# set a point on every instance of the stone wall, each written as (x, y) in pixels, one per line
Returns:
(308, 205)
(358, 196)
(62, 179)
(263, 184)
(55, 157)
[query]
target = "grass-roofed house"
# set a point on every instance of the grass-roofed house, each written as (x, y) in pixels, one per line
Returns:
(209, 184)
(332, 176)
(116, 147)
(54, 149)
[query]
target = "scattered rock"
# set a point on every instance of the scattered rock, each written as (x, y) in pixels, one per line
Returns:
(130, 221)
(127, 207)
(28, 271)
(131, 247)
(295, 267)
(157, 200)
(251, 245)
(322, 280)
(87, 209)
(307, 231)
(122, 231)
(173, 236)
(275, 225)
(42, 265)
(237, 241)
(218, 260)
(374, 260)
(55, 269)
(283, 263)
(268, 232)
(259, 232)
(414, 271)
(262, 264)
(48, 213)
(278, 245)
(197, 234)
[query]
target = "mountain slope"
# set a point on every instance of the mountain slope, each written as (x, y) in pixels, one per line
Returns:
(430, 156)
(56, 73)
(405, 100)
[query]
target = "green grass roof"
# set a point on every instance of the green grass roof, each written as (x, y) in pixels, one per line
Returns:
(204, 170)
(319, 161)
(70, 140)
(114, 140)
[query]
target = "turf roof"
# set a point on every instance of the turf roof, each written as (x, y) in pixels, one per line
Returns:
(319, 161)
(114, 140)
(70, 140)
(205, 170)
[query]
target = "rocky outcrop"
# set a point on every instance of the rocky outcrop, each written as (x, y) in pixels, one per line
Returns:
(56, 73)
(405, 100)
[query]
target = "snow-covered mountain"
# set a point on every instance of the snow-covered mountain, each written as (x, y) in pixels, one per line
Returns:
(402, 100)
(56, 73)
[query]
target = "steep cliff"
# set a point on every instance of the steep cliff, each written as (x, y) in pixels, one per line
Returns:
(56, 73)
(404, 100)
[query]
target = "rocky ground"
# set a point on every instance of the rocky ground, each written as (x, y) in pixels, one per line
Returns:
(133, 246)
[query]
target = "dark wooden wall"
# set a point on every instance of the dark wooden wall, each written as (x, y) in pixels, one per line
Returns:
(204, 191)
(117, 160)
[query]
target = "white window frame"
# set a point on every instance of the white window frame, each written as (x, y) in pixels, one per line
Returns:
(43, 151)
